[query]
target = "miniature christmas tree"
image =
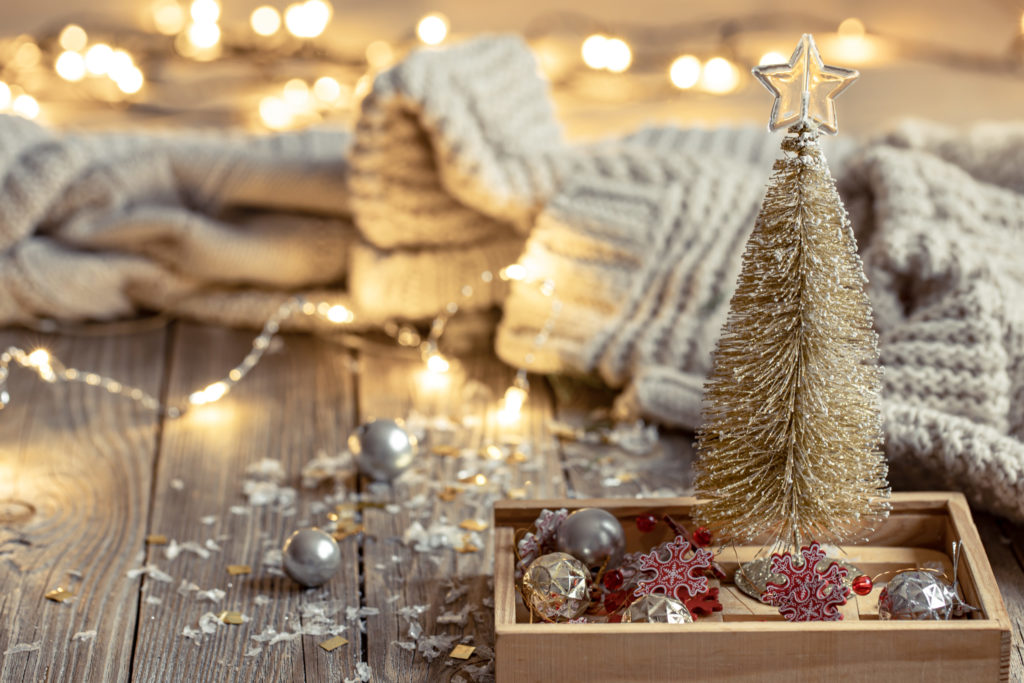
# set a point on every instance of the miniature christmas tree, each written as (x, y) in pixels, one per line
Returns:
(790, 447)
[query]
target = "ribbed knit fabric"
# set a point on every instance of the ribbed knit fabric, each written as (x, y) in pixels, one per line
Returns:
(457, 165)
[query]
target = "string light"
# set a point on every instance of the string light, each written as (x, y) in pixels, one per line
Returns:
(327, 89)
(98, 59)
(432, 29)
(307, 19)
(296, 94)
(205, 11)
(719, 76)
(437, 363)
(203, 35)
(769, 58)
(516, 271)
(27, 55)
(265, 20)
(73, 38)
(339, 314)
(593, 51)
(168, 17)
(379, 55)
(25, 106)
(851, 28)
(275, 113)
(70, 66)
(213, 392)
(852, 44)
(685, 72)
(130, 81)
(618, 56)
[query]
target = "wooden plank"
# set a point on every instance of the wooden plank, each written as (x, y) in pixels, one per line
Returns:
(81, 460)
(399, 577)
(295, 403)
(1003, 543)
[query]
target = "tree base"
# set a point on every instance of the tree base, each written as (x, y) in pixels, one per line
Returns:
(752, 577)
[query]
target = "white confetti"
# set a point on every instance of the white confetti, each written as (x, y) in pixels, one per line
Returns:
(208, 520)
(209, 622)
(405, 645)
(239, 510)
(154, 600)
(177, 484)
(84, 635)
(23, 647)
(212, 545)
(261, 600)
(187, 587)
(455, 617)
(150, 570)
(253, 651)
(214, 595)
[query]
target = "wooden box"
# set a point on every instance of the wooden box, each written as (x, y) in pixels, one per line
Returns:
(750, 642)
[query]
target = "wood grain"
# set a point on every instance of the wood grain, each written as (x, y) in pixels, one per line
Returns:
(1002, 542)
(295, 403)
(83, 460)
(398, 576)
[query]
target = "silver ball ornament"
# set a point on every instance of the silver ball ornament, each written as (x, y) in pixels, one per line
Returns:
(556, 586)
(656, 608)
(919, 595)
(382, 449)
(594, 537)
(311, 557)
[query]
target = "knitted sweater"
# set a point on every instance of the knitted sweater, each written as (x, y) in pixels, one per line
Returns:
(457, 165)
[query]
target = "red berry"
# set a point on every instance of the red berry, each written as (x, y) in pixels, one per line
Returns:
(862, 585)
(613, 601)
(646, 523)
(613, 580)
(702, 536)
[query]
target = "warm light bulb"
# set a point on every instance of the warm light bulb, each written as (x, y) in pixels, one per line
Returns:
(212, 393)
(719, 76)
(771, 58)
(73, 38)
(275, 113)
(437, 363)
(379, 54)
(516, 271)
(40, 357)
(685, 72)
(594, 52)
(327, 89)
(515, 397)
(205, 11)
(851, 28)
(204, 35)
(5, 96)
(120, 64)
(27, 55)
(265, 20)
(131, 81)
(70, 66)
(618, 56)
(339, 314)
(25, 106)
(97, 59)
(168, 17)
(307, 19)
(432, 29)
(296, 94)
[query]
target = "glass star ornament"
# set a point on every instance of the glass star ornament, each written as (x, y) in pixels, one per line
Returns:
(807, 593)
(805, 88)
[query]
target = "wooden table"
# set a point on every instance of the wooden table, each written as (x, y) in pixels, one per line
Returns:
(96, 474)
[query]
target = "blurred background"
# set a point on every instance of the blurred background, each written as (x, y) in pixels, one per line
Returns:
(613, 65)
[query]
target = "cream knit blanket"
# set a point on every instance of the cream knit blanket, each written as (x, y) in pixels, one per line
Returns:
(457, 166)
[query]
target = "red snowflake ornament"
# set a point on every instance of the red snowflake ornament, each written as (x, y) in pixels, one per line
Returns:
(807, 594)
(704, 604)
(676, 572)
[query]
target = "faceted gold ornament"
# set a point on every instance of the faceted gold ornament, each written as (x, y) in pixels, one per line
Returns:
(555, 586)
(656, 608)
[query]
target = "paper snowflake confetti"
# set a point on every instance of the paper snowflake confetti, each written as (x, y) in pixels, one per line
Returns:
(704, 604)
(533, 545)
(807, 593)
(677, 571)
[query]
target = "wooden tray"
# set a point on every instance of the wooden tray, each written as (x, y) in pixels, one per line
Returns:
(750, 642)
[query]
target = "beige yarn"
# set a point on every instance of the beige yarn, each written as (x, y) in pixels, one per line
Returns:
(457, 162)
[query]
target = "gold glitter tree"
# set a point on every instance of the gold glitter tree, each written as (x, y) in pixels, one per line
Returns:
(790, 447)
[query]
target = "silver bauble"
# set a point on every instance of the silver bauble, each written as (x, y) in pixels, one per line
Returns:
(656, 608)
(382, 449)
(594, 537)
(555, 586)
(311, 557)
(919, 595)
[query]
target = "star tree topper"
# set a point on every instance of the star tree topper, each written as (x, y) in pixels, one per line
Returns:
(805, 89)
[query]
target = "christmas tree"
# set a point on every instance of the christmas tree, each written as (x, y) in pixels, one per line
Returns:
(790, 447)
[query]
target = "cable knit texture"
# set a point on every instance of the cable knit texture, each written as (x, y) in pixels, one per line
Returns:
(457, 165)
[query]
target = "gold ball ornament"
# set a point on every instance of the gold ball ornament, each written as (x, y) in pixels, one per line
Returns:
(555, 586)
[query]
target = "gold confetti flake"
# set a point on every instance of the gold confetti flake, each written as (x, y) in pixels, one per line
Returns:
(59, 594)
(443, 449)
(346, 531)
(516, 456)
(236, 569)
(231, 617)
(479, 479)
(449, 493)
(462, 652)
(467, 545)
(473, 524)
(333, 643)
(156, 539)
